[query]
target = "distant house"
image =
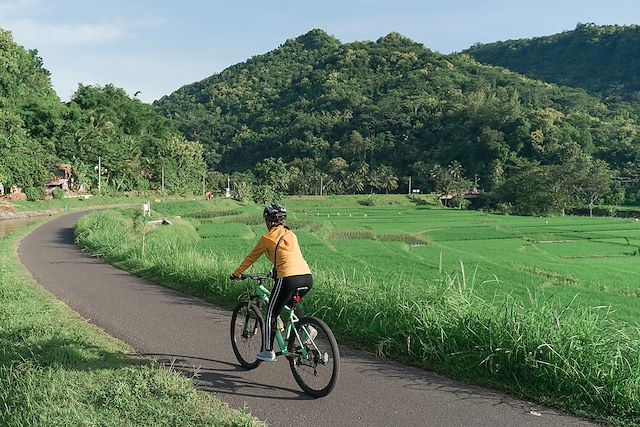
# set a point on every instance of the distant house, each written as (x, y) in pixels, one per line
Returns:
(61, 178)
(62, 184)
(470, 195)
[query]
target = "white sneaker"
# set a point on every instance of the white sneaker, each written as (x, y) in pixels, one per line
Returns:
(312, 334)
(267, 356)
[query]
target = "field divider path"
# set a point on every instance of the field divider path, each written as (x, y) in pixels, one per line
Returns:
(190, 335)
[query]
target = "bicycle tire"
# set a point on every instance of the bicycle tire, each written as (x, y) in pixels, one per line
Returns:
(301, 368)
(244, 341)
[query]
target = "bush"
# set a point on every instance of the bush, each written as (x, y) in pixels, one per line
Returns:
(33, 194)
(368, 201)
(504, 208)
(58, 194)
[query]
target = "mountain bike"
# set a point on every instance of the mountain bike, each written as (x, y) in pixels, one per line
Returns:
(307, 343)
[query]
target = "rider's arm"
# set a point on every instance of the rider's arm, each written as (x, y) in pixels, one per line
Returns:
(262, 245)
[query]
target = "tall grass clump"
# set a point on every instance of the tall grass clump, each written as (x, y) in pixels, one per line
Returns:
(166, 254)
(58, 370)
(578, 359)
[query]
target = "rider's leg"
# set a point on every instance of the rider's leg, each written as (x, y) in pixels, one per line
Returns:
(303, 285)
(282, 293)
(270, 318)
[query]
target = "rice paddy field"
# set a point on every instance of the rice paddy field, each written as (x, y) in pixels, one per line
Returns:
(546, 308)
(593, 262)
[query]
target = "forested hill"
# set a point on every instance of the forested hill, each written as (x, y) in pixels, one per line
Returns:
(356, 113)
(604, 60)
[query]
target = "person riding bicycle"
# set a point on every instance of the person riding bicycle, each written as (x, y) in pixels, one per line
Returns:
(292, 274)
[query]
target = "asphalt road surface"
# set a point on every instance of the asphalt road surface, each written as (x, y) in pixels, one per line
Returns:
(192, 336)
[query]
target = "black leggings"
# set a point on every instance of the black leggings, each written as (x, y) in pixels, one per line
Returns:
(283, 293)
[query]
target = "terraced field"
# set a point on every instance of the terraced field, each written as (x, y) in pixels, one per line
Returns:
(594, 260)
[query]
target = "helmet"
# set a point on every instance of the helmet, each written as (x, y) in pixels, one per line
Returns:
(275, 213)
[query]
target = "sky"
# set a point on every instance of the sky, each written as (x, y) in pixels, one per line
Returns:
(157, 46)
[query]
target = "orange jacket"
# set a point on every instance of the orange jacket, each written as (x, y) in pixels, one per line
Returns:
(289, 258)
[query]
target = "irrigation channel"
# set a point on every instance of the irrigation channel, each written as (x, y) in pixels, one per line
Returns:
(192, 336)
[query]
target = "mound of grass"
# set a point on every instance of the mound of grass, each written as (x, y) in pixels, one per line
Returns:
(575, 358)
(58, 370)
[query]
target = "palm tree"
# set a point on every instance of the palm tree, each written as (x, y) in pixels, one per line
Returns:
(384, 177)
(456, 170)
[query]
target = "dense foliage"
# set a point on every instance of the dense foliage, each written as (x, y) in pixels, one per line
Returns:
(37, 132)
(604, 60)
(365, 116)
(29, 115)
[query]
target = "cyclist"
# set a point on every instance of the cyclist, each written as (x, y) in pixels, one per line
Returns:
(291, 272)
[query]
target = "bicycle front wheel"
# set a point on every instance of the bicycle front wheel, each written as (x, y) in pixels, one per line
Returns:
(317, 372)
(246, 334)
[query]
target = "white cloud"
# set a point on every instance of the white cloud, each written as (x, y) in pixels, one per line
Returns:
(37, 34)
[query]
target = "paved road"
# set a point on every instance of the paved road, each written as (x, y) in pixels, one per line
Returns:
(192, 336)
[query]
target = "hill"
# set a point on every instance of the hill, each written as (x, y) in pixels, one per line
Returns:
(603, 60)
(357, 115)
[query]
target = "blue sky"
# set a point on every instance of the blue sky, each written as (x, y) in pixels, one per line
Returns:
(157, 46)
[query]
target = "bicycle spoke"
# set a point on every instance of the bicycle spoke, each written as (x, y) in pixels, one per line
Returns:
(246, 335)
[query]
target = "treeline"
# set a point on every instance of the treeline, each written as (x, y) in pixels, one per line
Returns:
(135, 144)
(366, 116)
(317, 116)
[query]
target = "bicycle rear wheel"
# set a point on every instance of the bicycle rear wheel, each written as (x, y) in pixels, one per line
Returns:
(317, 373)
(246, 334)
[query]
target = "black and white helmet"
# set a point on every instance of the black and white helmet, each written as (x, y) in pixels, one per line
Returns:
(275, 213)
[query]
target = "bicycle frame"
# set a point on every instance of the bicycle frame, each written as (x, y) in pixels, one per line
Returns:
(262, 296)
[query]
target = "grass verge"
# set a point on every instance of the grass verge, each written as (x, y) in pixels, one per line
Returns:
(58, 370)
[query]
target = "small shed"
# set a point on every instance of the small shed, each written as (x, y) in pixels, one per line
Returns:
(61, 183)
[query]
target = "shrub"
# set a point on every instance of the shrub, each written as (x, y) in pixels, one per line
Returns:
(33, 194)
(368, 201)
(58, 194)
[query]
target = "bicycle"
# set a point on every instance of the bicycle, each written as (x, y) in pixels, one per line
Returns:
(312, 356)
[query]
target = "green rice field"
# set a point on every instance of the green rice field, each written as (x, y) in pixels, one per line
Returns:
(595, 261)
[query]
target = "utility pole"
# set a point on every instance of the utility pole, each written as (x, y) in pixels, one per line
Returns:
(409, 185)
(204, 176)
(321, 185)
(99, 174)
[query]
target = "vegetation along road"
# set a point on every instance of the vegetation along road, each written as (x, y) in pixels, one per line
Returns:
(191, 336)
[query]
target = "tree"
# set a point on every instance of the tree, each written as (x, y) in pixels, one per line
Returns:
(384, 178)
(596, 183)
(356, 179)
(526, 189)
(273, 179)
